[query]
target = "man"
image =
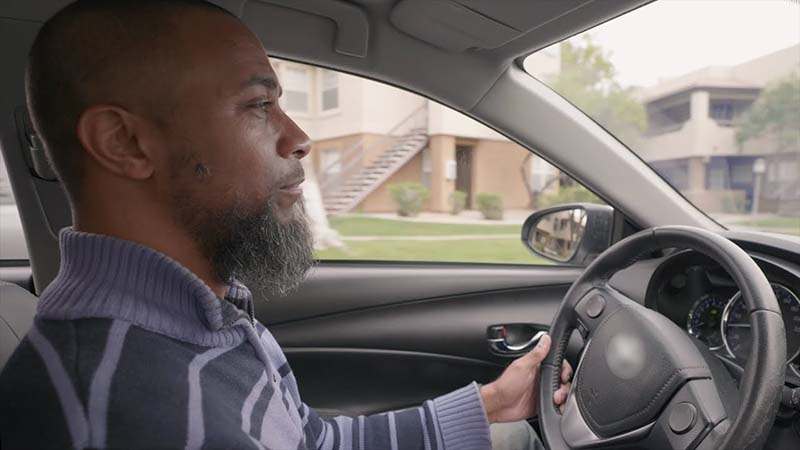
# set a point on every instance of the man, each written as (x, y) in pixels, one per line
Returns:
(161, 119)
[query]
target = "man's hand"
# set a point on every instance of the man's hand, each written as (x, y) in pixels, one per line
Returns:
(515, 395)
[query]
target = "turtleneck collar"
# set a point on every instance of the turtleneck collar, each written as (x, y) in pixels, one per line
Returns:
(107, 277)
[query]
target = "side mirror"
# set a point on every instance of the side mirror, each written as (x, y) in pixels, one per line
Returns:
(572, 234)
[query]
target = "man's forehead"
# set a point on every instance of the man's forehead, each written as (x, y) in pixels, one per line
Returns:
(234, 63)
(254, 70)
(231, 47)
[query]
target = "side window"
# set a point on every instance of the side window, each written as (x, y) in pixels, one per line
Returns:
(12, 240)
(329, 90)
(399, 177)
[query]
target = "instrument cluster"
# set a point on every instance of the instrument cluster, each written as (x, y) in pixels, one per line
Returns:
(697, 294)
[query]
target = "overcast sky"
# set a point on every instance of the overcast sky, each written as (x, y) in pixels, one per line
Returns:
(671, 37)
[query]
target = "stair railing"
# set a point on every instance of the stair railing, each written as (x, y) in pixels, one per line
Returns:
(350, 161)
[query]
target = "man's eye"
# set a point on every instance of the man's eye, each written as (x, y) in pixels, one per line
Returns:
(263, 105)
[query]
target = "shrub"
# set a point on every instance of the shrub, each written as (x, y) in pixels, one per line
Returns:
(458, 200)
(409, 198)
(570, 194)
(490, 205)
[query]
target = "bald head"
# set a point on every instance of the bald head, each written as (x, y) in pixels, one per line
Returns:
(121, 52)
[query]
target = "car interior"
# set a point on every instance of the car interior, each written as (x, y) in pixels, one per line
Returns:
(365, 337)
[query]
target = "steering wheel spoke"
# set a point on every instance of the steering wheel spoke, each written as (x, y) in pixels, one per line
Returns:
(596, 305)
(579, 435)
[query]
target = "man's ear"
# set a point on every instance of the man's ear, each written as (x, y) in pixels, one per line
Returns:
(110, 136)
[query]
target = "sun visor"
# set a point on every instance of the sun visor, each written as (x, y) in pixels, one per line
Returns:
(462, 25)
(352, 25)
(449, 25)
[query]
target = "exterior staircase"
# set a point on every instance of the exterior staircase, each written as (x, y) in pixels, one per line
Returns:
(353, 183)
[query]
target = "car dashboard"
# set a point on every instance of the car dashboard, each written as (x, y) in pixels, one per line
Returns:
(698, 295)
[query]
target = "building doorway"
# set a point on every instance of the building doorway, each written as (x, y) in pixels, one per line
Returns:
(464, 172)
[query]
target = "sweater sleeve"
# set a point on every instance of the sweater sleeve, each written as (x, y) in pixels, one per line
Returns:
(456, 421)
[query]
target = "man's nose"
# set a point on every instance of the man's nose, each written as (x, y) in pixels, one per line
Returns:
(294, 142)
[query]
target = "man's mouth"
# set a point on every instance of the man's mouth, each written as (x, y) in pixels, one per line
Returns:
(293, 188)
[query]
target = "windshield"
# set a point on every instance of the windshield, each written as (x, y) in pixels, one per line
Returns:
(706, 93)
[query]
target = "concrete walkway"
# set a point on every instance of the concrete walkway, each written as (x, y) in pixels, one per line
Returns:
(447, 237)
(466, 217)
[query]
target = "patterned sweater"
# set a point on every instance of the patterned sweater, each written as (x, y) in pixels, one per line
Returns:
(129, 349)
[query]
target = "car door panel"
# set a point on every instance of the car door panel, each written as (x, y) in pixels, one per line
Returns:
(339, 286)
(387, 336)
(353, 381)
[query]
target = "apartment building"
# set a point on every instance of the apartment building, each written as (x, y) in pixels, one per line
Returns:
(368, 135)
(691, 138)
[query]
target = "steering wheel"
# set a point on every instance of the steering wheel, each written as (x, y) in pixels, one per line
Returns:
(641, 380)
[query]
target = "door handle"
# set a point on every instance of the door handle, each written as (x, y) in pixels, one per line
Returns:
(513, 339)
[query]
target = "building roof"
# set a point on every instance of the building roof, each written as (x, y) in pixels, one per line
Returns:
(753, 74)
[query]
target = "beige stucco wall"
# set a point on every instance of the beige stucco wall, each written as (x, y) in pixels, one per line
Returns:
(380, 200)
(443, 120)
(700, 137)
(345, 143)
(496, 168)
(443, 149)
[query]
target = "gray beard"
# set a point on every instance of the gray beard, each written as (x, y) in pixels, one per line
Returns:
(253, 247)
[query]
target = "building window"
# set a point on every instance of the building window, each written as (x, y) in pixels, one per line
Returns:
(722, 111)
(296, 86)
(329, 90)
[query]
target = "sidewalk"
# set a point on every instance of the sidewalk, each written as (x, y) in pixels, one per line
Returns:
(458, 237)
(467, 217)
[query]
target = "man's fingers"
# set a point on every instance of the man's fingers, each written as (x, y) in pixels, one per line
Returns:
(560, 396)
(538, 353)
(566, 371)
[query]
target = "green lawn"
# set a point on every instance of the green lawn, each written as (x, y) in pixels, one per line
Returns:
(368, 226)
(505, 250)
(772, 222)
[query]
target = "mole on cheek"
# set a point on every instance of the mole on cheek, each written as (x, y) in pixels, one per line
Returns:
(201, 170)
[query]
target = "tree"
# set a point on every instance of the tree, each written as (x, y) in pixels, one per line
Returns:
(776, 113)
(587, 80)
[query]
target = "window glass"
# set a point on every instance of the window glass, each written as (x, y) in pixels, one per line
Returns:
(12, 240)
(330, 90)
(403, 178)
(707, 93)
(296, 82)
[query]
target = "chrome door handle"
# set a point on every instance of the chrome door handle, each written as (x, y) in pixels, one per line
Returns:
(499, 340)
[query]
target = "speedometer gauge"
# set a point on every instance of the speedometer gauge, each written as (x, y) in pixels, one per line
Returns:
(705, 318)
(737, 333)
